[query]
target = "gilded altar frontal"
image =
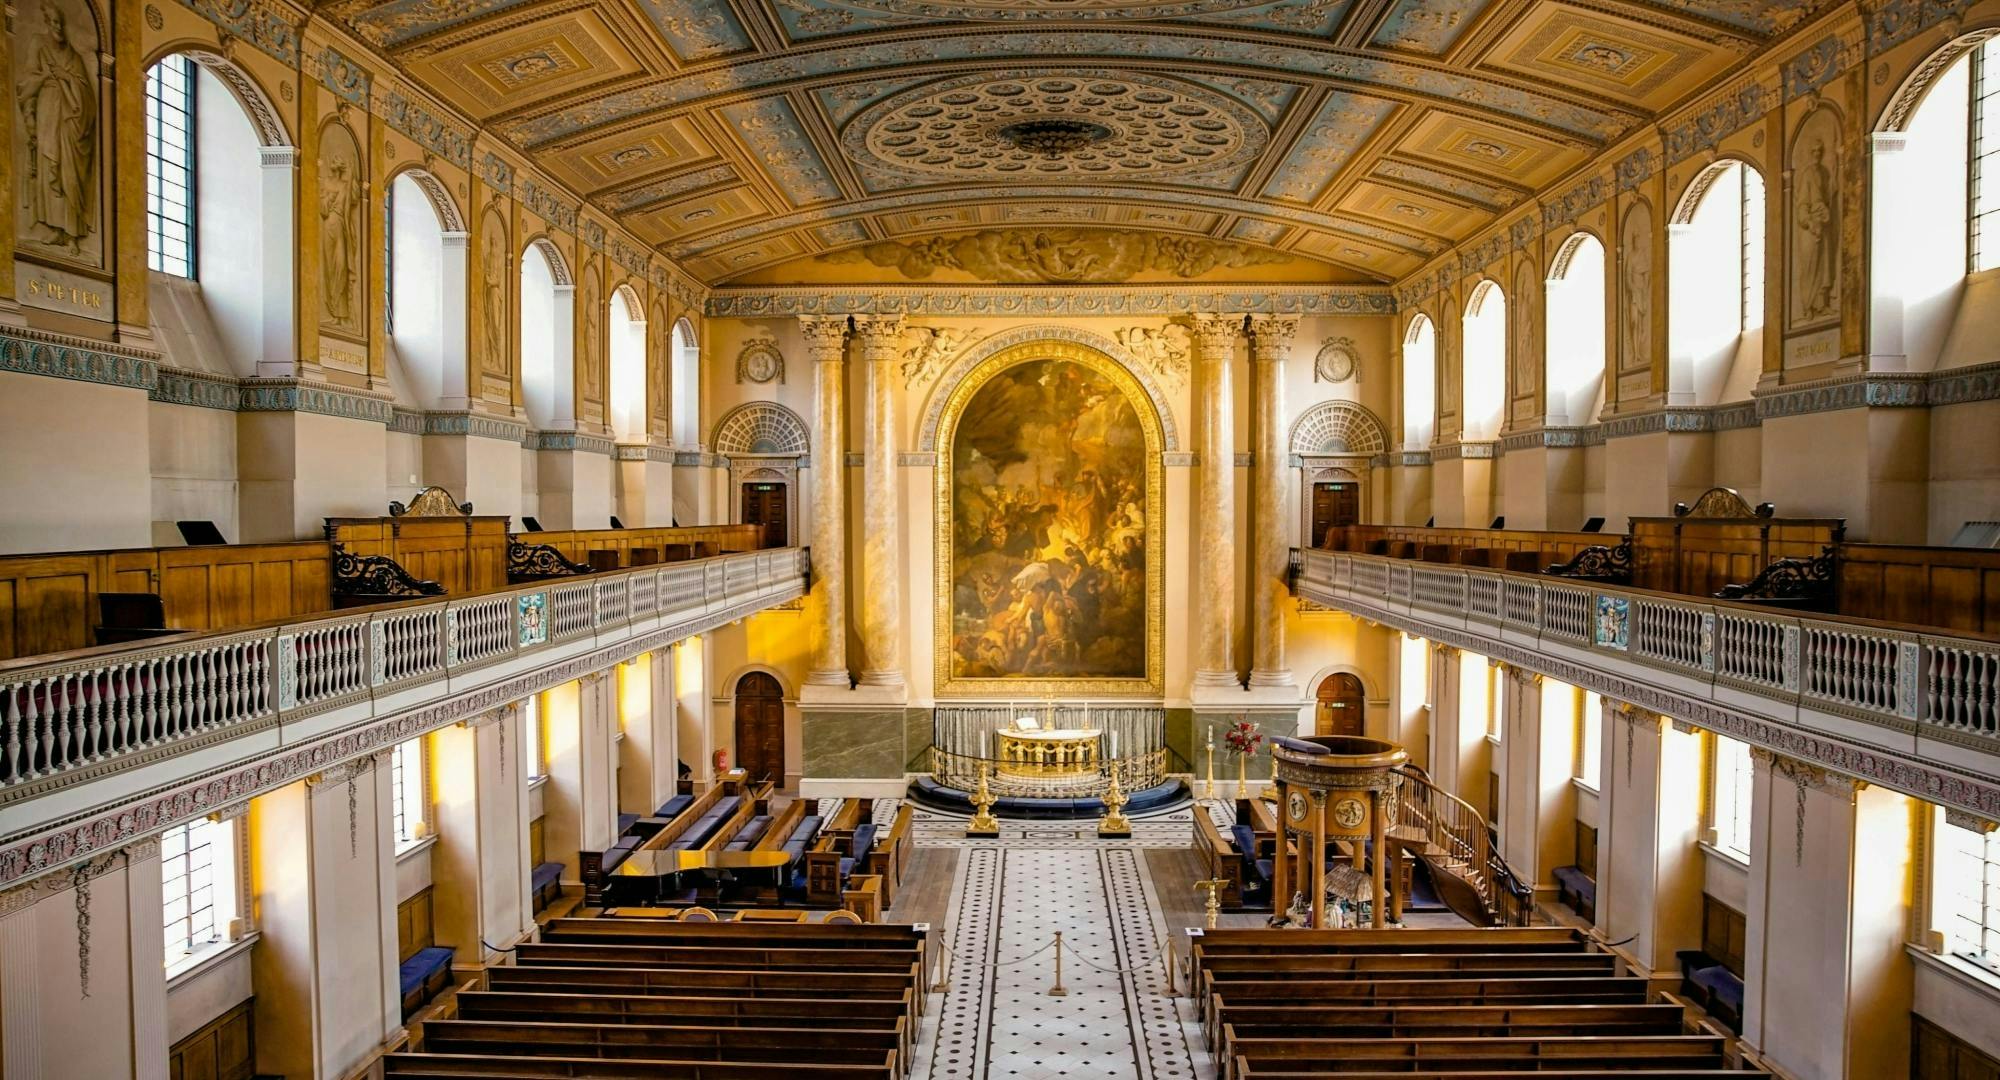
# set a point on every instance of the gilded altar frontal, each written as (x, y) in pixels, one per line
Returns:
(1049, 483)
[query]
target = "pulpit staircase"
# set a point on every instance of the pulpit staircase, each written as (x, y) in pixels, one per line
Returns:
(1455, 842)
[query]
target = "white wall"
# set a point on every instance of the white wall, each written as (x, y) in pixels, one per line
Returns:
(229, 201)
(70, 482)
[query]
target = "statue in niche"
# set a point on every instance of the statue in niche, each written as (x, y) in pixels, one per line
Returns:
(1635, 271)
(340, 244)
(1525, 363)
(57, 97)
(1815, 277)
(592, 381)
(493, 278)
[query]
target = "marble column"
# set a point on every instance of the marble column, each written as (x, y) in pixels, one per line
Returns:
(826, 342)
(1215, 500)
(1270, 345)
(881, 568)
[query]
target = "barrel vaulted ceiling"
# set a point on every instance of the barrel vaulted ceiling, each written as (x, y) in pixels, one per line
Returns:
(762, 138)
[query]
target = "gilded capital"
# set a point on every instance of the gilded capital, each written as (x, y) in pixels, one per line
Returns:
(881, 337)
(826, 336)
(1214, 335)
(1271, 337)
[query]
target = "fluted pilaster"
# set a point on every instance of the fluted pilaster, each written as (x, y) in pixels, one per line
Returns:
(1215, 501)
(881, 540)
(826, 344)
(1270, 345)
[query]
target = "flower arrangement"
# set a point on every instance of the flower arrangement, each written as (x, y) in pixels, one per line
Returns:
(1243, 738)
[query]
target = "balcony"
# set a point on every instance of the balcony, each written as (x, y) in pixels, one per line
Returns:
(1910, 708)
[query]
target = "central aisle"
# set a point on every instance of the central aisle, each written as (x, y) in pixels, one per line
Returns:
(1008, 899)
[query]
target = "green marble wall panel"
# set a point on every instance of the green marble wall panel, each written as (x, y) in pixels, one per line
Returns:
(846, 744)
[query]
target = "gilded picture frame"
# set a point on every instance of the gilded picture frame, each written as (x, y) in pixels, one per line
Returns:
(1153, 684)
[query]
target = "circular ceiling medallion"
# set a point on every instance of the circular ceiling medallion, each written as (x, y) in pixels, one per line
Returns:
(1022, 10)
(1055, 125)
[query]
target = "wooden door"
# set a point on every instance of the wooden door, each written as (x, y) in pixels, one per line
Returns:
(1334, 504)
(1339, 706)
(764, 504)
(760, 727)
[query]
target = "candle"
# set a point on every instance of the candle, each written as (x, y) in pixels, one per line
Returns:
(1114, 746)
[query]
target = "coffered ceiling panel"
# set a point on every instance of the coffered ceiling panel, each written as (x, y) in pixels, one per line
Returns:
(752, 137)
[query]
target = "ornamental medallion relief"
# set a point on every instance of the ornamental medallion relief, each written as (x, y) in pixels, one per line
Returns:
(1336, 362)
(760, 361)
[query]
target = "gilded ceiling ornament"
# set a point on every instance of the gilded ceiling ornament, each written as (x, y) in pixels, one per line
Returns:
(1056, 256)
(1054, 123)
(1163, 351)
(760, 361)
(934, 346)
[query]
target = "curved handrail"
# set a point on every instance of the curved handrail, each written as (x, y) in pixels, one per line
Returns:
(1463, 834)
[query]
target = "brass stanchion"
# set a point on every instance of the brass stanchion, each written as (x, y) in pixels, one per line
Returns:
(1059, 990)
(1208, 786)
(983, 824)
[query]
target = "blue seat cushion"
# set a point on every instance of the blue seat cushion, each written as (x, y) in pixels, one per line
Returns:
(545, 874)
(864, 842)
(1573, 879)
(1299, 746)
(808, 829)
(626, 821)
(1266, 868)
(1246, 840)
(673, 807)
(1722, 983)
(421, 966)
(752, 832)
(846, 867)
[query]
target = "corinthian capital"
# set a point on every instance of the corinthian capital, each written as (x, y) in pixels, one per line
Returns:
(826, 335)
(881, 336)
(1271, 336)
(1214, 334)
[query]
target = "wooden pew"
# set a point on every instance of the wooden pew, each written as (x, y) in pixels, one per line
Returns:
(707, 956)
(493, 1067)
(1332, 1055)
(816, 935)
(845, 1046)
(1283, 1071)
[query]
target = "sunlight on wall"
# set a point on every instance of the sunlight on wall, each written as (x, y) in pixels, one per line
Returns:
(538, 327)
(1485, 361)
(1924, 202)
(1419, 384)
(416, 299)
(1575, 353)
(628, 368)
(635, 691)
(1716, 275)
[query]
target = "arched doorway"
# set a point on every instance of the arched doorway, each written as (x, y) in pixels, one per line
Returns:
(1339, 704)
(760, 727)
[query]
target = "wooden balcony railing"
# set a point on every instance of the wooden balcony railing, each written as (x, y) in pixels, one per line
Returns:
(1877, 671)
(82, 712)
(49, 602)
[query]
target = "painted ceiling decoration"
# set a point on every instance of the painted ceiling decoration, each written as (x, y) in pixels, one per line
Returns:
(1062, 141)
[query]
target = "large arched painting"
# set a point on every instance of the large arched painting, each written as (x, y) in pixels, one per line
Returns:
(1049, 477)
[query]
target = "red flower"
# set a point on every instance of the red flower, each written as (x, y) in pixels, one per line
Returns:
(1243, 737)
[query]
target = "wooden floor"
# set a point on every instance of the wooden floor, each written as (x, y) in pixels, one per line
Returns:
(926, 889)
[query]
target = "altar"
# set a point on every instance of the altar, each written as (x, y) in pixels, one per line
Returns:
(1029, 750)
(1049, 760)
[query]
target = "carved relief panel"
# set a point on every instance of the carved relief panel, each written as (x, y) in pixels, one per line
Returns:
(495, 283)
(1814, 214)
(1635, 297)
(343, 247)
(60, 121)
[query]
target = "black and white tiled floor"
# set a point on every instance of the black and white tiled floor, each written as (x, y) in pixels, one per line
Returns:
(996, 1020)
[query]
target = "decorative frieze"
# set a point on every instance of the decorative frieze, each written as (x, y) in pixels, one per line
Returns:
(475, 425)
(1156, 300)
(291, 395)
(269, 30)
(568, 440)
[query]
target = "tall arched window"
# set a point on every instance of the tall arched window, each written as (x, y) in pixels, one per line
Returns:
(686, 401)
(1485, 362)
(1574, 373)
(1939, 217)
(545, 399)
(1419, 383)
(416, 300)
(204, 206)
(1715, 317)
(627, 325)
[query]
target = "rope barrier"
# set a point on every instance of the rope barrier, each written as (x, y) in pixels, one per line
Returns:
(941, 982)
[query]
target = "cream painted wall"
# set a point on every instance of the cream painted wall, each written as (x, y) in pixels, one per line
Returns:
(1965, 470)
(194, 467)
(67, 486)
(206, 993)
(299, 468)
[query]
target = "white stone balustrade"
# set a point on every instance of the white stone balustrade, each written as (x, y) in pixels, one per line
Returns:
(74, 718)
(1867, 695)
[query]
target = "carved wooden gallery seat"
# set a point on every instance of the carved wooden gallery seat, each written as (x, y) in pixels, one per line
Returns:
(1722, 542)
(434, 540)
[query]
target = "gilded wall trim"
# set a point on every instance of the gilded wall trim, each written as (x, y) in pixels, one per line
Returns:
(1052, 338)
(968, 383)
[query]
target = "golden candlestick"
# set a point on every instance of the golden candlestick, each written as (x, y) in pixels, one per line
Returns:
(1208, 786)
(983, 823)
(1242, 789)
(1115, 825)
(1212, 910)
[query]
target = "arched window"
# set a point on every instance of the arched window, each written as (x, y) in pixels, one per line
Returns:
(204, 206)
(544, 380)
(1939, 217)
(1715, 257)
(1485, 362)
(1574, 373)
(627, 325)
(1419, 383)
(686, 400)
(416, 320)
